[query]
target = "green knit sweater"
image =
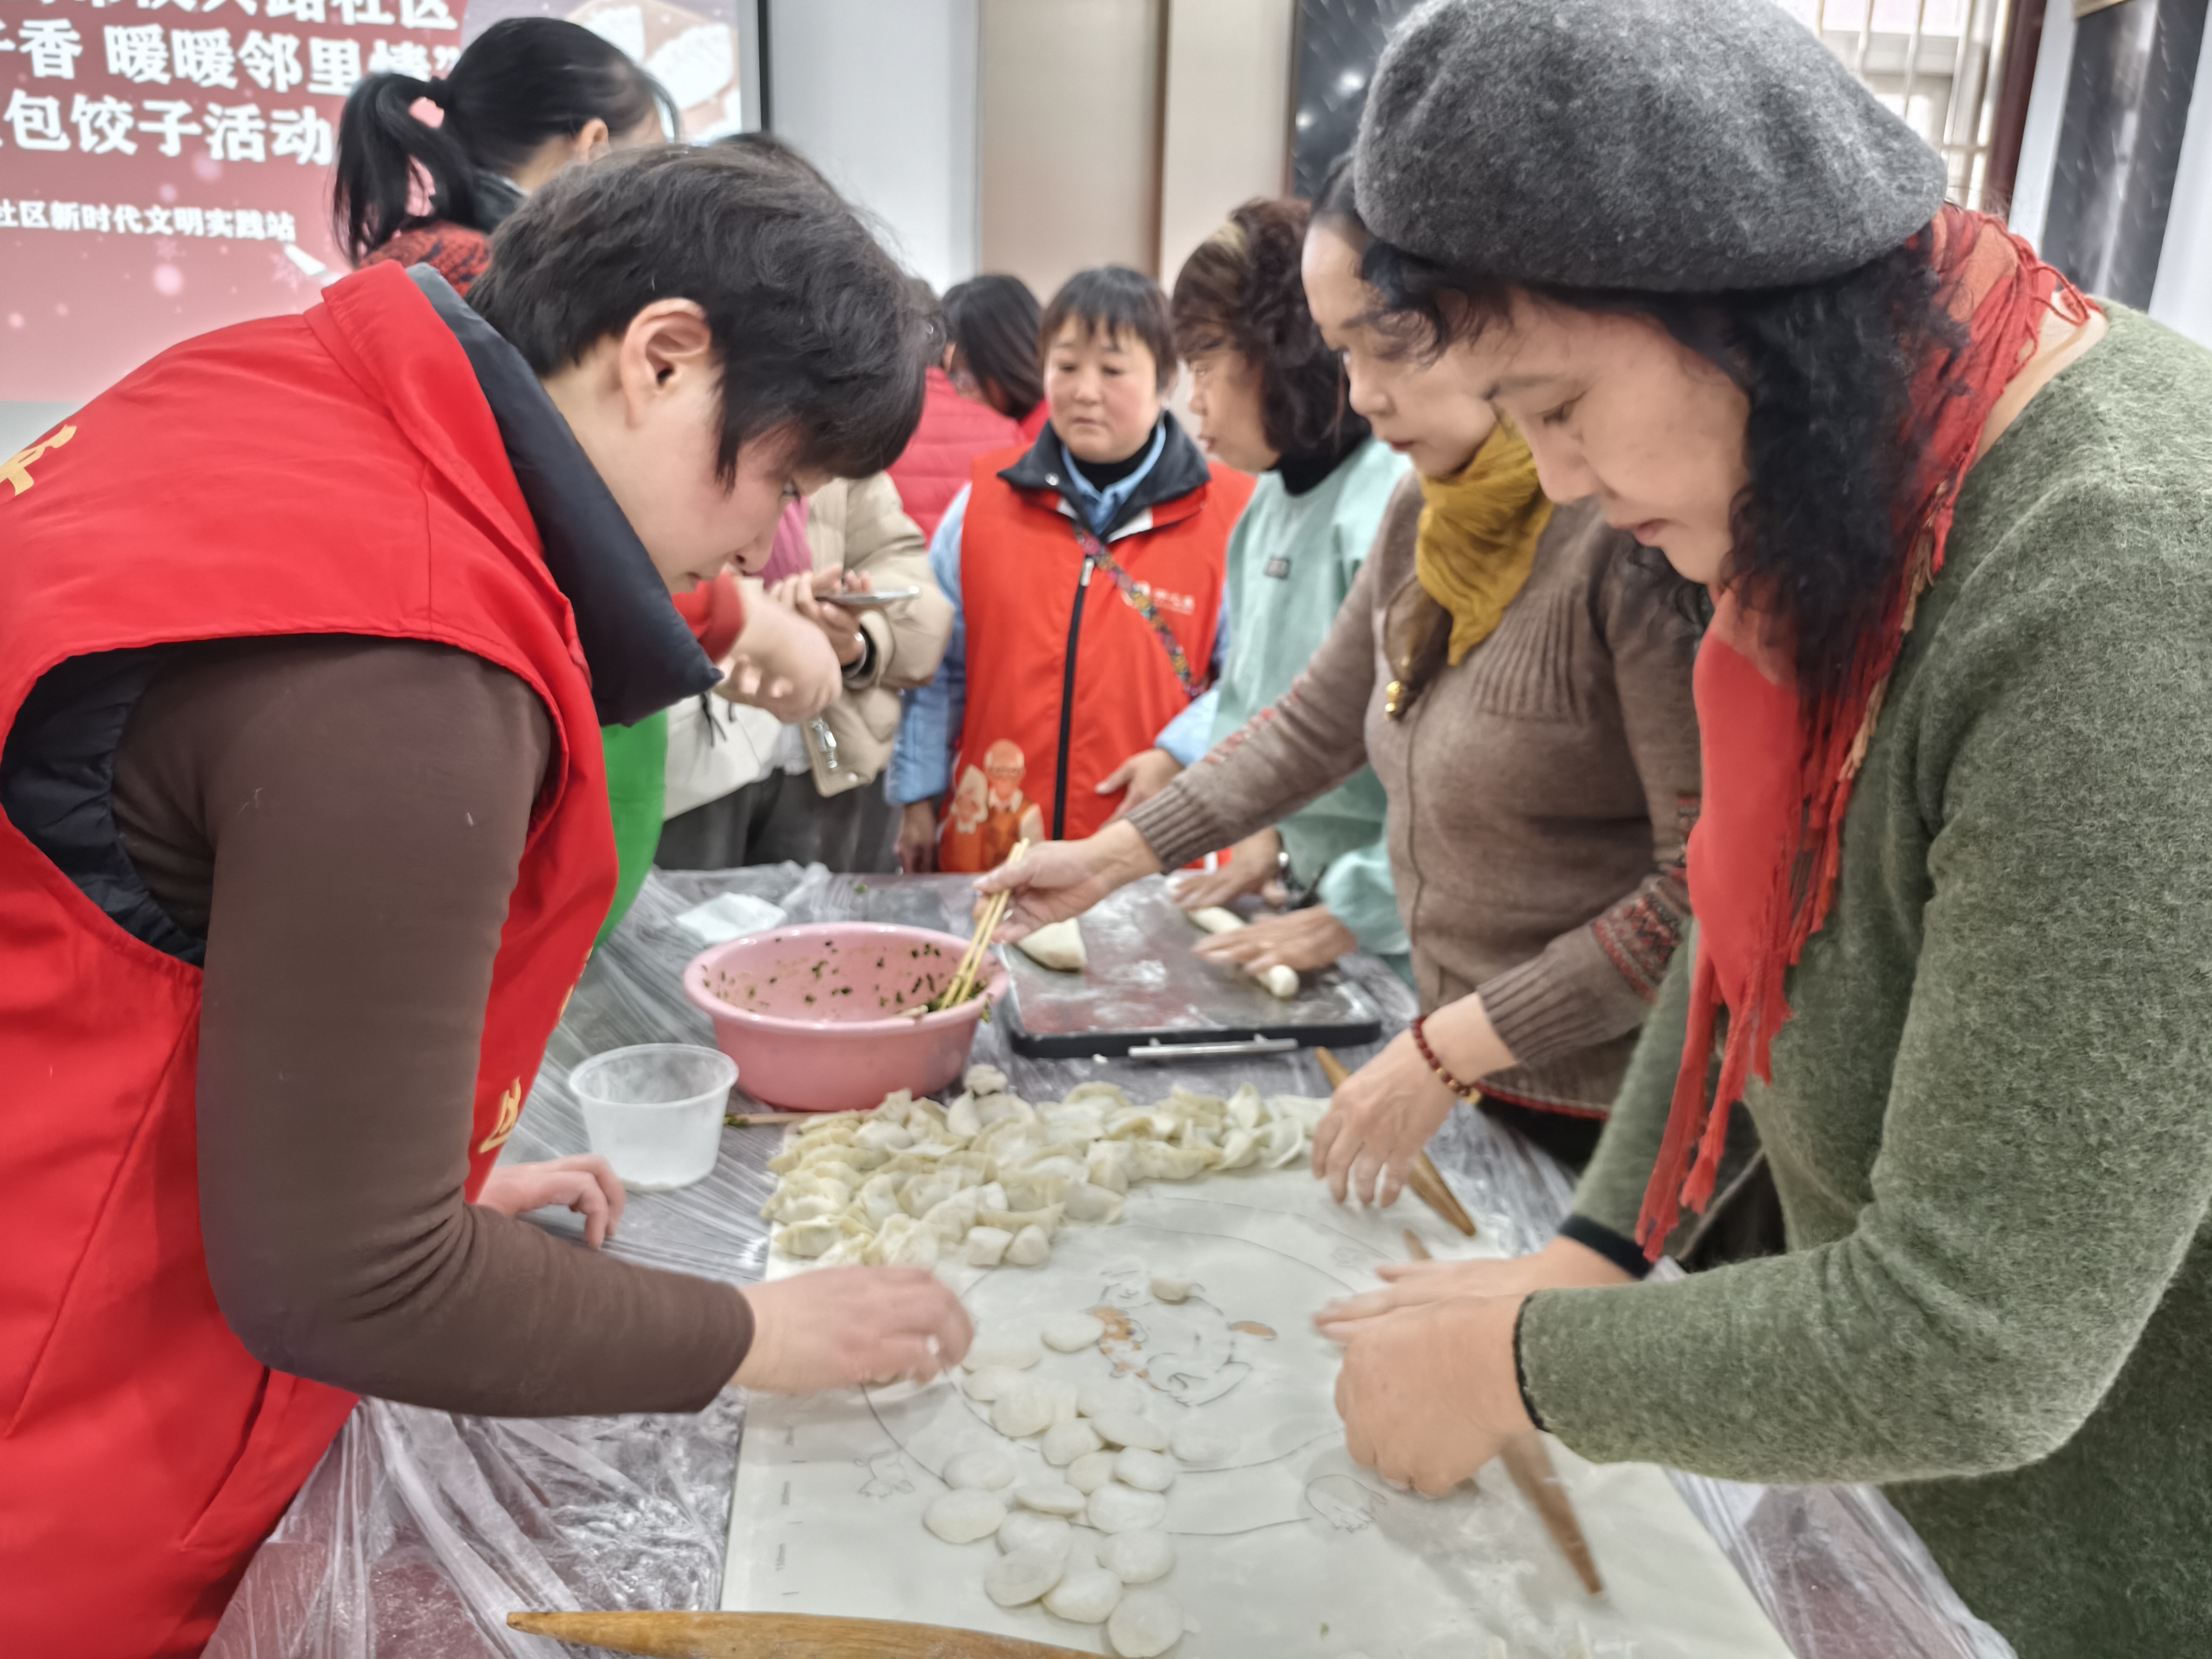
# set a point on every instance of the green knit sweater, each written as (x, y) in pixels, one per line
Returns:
(1990, 1119)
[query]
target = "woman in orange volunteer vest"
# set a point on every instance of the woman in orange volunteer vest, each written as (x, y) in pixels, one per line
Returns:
(306, 838)
(1087, 574)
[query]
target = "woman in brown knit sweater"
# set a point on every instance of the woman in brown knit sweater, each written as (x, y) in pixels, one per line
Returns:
(1520, 681)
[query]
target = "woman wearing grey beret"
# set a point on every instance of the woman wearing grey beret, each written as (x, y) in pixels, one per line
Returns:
(1954, 877)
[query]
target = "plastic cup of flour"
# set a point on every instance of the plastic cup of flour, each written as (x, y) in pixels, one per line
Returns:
(655, 1111)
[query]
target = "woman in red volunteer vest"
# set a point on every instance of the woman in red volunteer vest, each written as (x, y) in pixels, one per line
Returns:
(306, 840)
(1086, 575)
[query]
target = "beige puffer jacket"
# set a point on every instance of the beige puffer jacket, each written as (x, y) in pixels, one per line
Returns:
(860, 524)
(716, 747)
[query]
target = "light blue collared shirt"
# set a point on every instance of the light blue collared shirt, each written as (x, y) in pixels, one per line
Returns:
(1099, 506)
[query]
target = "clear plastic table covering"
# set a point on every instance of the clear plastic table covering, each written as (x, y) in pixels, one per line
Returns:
(420, 1530)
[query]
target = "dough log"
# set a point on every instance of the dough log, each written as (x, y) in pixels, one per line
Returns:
(1277, 982)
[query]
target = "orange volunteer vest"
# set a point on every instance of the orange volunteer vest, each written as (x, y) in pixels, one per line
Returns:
(1067, 677)
(338, 472)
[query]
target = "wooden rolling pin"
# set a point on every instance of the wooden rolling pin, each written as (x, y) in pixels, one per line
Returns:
(1528, 1460)
(773, 1636)
(1425, 1180)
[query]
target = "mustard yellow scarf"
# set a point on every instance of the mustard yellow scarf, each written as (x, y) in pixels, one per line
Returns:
(1477, 542)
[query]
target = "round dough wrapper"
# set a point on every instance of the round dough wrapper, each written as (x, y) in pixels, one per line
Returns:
(1058, 946)
(1064, 1443)
(1027, 1532)
(962, 1517)
(1057, 1498)
(1032, 1248)
(987, 1470)
(1016, 1580)
(1138, 1557)
(1146, 1624)
(1116, 1508)
(1147, 1471)
(985, 1387)
(1200, 1447)
(1074, 1333)
(1087, 1474)
(1124, 1428)
(1022, 1410)
(1084, 1598)
(1012, 1353)
(1097, 1399)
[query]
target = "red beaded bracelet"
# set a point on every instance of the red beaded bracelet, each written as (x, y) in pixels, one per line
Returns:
(1466, 1091)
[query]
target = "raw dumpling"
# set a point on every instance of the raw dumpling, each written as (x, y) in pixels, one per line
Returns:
(1022, 1410)
(1065, 1442)
(1084, 1598)
(1014, 1353)
(1032, 1248)
(962, 1517)
(1147, 1471)
(987, 1246)
(1026, 1532)
(984, 1080)
(1057, 1498)
(1092, 1471)
(1088, 1201)
(1169, 1287)
(1116, 1508)
(1199, 1446)
(1127, 1428)
(1057, 945)
(1137, 1558)
(1074, 1333)
(805, 1240)
(1145, 1623)
(987, 1470)
(1016, 1580)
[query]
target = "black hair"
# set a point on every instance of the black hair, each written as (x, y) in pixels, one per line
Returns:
(1241, 291)
(523, 81)
(993, 320)
(1831, 441)
(817, 329)
(1114, 300)
(782, 151)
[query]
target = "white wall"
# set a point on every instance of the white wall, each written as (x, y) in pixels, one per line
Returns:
(1226, 128)
(2183, 297)
(2046, 108)
(1070, 114)
(881, 95)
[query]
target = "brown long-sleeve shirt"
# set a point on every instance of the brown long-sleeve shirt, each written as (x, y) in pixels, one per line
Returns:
(343, 819)
(1541, 793)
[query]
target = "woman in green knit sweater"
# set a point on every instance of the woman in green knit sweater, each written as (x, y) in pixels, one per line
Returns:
(1954, 880)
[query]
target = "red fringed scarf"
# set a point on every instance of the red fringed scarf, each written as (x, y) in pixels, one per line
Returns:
(1778, 771)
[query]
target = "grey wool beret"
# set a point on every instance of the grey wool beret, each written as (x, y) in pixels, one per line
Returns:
(1670, 146)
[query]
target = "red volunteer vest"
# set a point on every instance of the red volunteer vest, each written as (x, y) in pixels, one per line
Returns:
(937, 459)
(1021, 570)
(335, 473)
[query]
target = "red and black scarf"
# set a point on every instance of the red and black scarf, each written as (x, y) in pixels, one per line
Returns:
(1778, 768)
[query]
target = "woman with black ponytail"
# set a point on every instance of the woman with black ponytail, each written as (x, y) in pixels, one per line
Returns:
(529, 97)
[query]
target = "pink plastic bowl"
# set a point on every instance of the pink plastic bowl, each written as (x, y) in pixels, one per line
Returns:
(801, 1010)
